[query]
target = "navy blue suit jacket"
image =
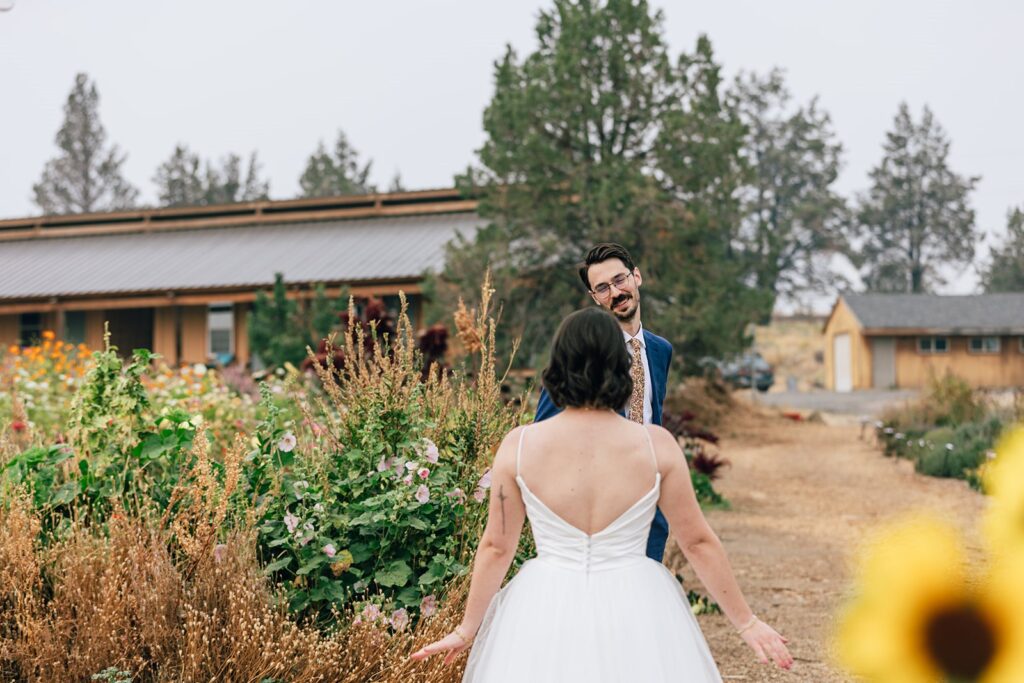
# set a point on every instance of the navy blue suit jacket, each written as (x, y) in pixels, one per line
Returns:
(659, 357)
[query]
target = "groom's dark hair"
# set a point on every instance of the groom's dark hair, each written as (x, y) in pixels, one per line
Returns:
(589, 366)
(600, 253)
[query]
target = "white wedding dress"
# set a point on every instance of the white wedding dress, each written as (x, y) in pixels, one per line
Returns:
(590, 608)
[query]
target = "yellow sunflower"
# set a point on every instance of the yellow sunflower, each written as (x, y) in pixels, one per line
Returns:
(917, 618)
(1004, 482)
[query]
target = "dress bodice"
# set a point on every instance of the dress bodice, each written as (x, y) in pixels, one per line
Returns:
(622, 542)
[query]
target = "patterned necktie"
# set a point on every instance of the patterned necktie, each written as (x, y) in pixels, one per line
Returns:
(636, 371)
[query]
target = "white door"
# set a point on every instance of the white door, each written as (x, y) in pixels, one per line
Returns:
(883, 362)
(841, 364)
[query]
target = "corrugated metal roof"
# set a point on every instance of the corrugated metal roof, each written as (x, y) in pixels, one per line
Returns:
(247, 256)
(978, 313)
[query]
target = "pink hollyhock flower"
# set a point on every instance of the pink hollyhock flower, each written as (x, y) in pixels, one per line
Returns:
(385, 465)
(292, 522)
(458, 494)
(422, 494)
(407, 479)
(423, 472)
(371, 612)
(399, 619)
(428, 606)
(485, 480)
(411, 465)
(430, 451)
(287, 443)
(329, 550)
(479, 495)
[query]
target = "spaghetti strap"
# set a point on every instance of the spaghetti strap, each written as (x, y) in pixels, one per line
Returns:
(650, 447)
(519, 449)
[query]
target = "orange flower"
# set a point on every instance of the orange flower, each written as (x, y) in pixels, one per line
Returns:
(13, 349)
(48, 335)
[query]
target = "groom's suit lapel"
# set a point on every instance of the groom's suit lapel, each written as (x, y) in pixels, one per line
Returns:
(657, 361)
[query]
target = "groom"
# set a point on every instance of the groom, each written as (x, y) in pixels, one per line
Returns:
(613, 281)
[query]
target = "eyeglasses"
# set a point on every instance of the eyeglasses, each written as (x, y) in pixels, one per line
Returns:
(604, 289)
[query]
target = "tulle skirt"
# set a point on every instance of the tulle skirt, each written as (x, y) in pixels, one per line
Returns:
(561, 625)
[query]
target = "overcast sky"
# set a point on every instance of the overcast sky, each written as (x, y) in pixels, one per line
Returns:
(408, 80)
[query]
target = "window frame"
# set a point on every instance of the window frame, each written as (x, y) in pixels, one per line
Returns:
(220, 307)
(983, 351)
(932, 350)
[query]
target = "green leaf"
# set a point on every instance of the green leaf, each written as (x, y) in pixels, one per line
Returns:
(64, 495)
(396, 574)
(278, 564)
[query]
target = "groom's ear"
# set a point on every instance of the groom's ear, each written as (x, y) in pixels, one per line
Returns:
(637, 277)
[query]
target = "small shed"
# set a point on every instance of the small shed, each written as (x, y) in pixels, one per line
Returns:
(885, 341)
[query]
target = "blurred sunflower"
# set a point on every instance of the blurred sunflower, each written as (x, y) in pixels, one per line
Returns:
(1004, 482)
(917, 618)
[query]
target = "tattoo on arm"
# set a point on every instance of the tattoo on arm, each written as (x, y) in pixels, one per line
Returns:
(501, 497)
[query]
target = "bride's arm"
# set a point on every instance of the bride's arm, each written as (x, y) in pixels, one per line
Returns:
(498, 544)
(704, 551)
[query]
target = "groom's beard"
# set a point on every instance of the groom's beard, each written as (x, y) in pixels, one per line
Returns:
(627, 312)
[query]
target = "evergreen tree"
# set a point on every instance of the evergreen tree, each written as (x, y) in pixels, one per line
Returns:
(87, 174)
(280, 328)
(275, 332)
(600, 136)
(792, 219)
(396, 183)
(184, 180)
(1005, 270)
(917, 216)
(336, 173)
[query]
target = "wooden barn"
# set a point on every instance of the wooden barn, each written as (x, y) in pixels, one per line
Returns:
(884, 341)
(182, 281)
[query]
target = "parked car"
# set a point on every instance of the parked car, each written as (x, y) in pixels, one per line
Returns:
(743, 371)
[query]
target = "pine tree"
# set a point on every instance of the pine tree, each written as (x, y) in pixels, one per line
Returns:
(336, 173)
(184, 180)
(87, 175)
(600, 136)
(917, 215)
(792, 218)
(1005, 270)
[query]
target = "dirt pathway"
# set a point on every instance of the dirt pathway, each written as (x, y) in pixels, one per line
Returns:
(803, 496)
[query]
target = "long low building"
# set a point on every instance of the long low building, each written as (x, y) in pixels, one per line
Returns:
(182, 281)
(887, 341)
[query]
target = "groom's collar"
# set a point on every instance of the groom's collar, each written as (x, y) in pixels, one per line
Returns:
(639, 335)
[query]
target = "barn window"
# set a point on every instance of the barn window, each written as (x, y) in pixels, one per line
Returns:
(221, 326)
(983, 344)
(932, 344)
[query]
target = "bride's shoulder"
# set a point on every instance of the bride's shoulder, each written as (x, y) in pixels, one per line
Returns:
(666, 447)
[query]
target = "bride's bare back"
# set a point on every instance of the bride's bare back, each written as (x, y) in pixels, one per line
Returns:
(587, 466)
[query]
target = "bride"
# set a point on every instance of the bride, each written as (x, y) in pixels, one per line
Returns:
(592, 606)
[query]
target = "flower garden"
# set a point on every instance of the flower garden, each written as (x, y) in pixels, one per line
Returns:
(164, 524)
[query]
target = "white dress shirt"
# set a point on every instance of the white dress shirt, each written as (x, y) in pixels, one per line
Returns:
(648, 391)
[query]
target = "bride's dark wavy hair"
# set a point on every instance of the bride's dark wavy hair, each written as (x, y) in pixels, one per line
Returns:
(589, 366)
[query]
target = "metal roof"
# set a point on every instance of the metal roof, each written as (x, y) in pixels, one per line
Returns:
(964, 314)
(353, 250)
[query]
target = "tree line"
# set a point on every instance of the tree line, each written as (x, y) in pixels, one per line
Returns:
(723, 190)
(86, 175)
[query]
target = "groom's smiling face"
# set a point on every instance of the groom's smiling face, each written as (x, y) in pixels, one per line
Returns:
(614, 287)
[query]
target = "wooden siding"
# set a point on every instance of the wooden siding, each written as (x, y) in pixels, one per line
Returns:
(843, 321)
(242, 334)
(165, 334)
(988, 370)
(8, 330)
(193, 334)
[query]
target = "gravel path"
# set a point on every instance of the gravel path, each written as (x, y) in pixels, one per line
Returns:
(803, 496)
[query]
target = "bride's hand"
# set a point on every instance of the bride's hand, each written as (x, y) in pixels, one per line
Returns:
(766, 642)
(453, 644)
